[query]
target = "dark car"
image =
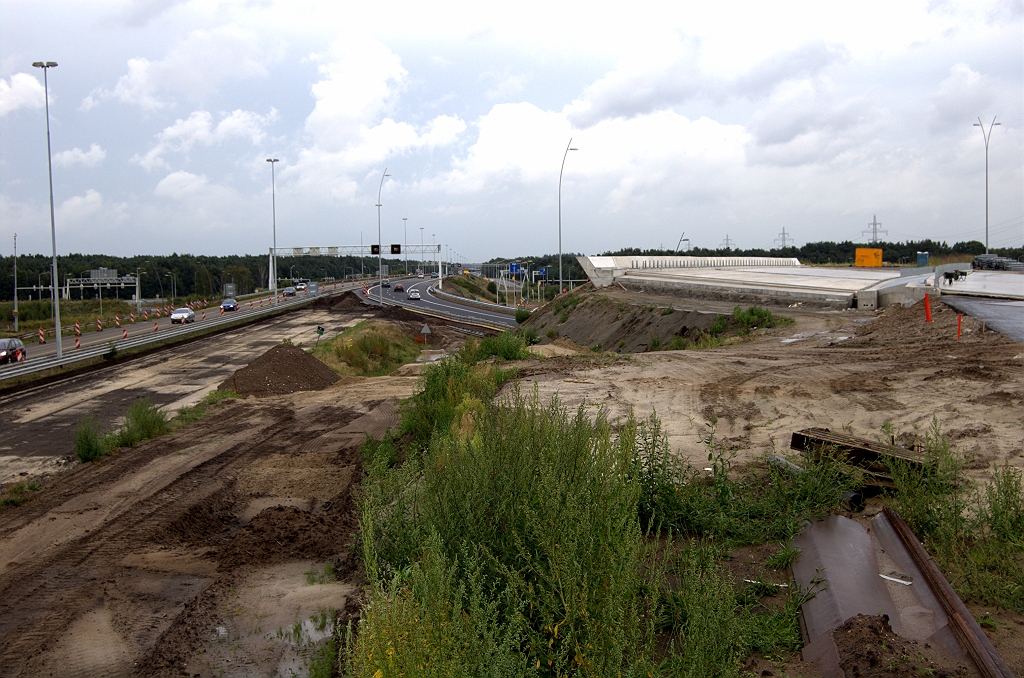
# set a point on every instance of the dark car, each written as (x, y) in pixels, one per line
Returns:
(289, 291)
(399, 288)
(12, 351)
(229, 305)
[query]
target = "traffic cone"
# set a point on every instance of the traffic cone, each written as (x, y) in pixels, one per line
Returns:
(78, 329)
(222, 310)
(124, 332)
(117, 320)
(99, 325)
(145, 314)
(42, 339)
(132, 317)
(156, 325)
(78, 342)
(204, 315)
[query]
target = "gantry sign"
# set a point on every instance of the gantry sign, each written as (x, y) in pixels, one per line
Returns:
(350, 251)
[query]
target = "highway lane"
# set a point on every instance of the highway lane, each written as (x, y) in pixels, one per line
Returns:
(431, 303)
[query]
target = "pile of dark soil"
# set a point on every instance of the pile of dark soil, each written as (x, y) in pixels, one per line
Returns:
(897, 325)
(283, 369)
(284, 533)
(349, 301)
(591, 319)
(400, 313)
(868, 648)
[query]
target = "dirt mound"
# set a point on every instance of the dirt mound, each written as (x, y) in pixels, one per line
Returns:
(283, 369)
(283, 533)
(349, 301)
(597, 321)
(868, 647)
(906, 325)
(400, 313)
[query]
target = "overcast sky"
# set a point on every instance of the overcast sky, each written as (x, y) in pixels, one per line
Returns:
(713, 119)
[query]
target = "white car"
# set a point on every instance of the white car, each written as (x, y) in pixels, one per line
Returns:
(183, 315)
(300, 287)
(413, 294)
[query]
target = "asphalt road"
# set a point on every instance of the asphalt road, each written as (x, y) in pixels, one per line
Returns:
(431, 303)
(1006, 317)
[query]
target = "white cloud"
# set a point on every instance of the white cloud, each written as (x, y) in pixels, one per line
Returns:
(193, 69)
(23, 91)
(506, 86)
(94, 156)
(349, 129)
(198, 128)
(960, 98)
(181, 185)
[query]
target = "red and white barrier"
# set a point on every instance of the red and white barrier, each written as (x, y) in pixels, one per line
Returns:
(78, 342)
(78, 329)
(145, 314)
(117, 320)
(99, 325)
(124, 332)
(261, 302)
(42, 339)
(204, 315)
(132, 317)
(156, 325)
(250, 304)
(222, 310)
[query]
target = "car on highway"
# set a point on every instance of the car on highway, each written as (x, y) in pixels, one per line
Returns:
(413, 294)
(386, 283)
(399, 288)
(12, 350)
(300, 287)
(183, 315)
(229, 305)
(434, 274)
(420, 275)
(289, 292)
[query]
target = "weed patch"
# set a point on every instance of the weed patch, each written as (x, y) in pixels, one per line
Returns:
(19, 493)
(142, 422)
(205, 406)
(369, 349)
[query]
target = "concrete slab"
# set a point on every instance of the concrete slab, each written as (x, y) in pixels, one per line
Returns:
(993, 284)
(1006, 317)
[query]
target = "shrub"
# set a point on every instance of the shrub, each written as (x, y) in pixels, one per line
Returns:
(142, 422)
(89, 446)
(552, 333)
(506, 346)
(529, 335)
(492, 287)
(522, 315)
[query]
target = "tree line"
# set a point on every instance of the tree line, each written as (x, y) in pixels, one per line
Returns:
(185, 275)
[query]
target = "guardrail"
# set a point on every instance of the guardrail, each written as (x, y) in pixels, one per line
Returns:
(455, 317)
(486, 305)
(149, 339)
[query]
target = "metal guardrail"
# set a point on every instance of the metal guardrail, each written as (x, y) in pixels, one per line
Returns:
(469, 320)
(487, 306)
(16, 370)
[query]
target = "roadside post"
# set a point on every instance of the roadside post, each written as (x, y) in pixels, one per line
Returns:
(319, 333)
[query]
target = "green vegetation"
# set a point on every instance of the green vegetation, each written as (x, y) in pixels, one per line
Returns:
(142, 422)
(668, 311)
(370, 349)
(205, 406)
(19, 493)
(552, 333)
(740, 323)
(522, 315)
(516, 539)
(328, 574)
(492, 287)
(976, 534)
(474, 287)
(35, 314)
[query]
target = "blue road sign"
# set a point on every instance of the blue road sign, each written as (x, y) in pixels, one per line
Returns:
(543, 272)
(513, 267)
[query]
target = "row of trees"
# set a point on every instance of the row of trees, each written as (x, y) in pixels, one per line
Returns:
(189, 275)
(838, 252)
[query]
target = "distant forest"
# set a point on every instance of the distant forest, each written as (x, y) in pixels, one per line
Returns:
(195, 276)
(898, 253)
(205, 276)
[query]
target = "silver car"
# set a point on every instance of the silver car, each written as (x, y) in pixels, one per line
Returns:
(183, 315)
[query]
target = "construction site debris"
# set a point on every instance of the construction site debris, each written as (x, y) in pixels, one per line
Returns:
(872, 457)
(283, 369)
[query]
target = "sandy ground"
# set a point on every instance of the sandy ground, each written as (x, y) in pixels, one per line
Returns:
(189, 554)
(836, 369)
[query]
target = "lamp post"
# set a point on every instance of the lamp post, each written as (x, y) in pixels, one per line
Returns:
(273, 213)
(15, 283)
(564, 156)
(405, 231)
(988, 136)
(291, 273)
(174, 285)
(380, 252)
(421, 249)
(46, 66)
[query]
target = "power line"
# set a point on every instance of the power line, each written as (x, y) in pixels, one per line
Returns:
(874, 230)
(727, 242)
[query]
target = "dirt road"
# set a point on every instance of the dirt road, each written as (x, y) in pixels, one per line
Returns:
(199, 553)
(37, 424)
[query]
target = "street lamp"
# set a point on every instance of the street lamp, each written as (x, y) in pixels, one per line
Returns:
(421, 249)
(564, 156)
(16, 283)
(380, 255)
(987, 136)
(291, 273)
(174, 285)
(46, 66)
(273, 212)
(405, 230)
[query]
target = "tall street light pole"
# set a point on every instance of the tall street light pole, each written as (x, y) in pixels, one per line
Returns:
(46, 66)
(988, 136)
(567, 149)
(15, 283)
(405, 230)
(380, 249)
(421, 249)
(273, 213)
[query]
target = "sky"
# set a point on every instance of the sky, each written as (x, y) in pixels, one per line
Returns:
(703, 120)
